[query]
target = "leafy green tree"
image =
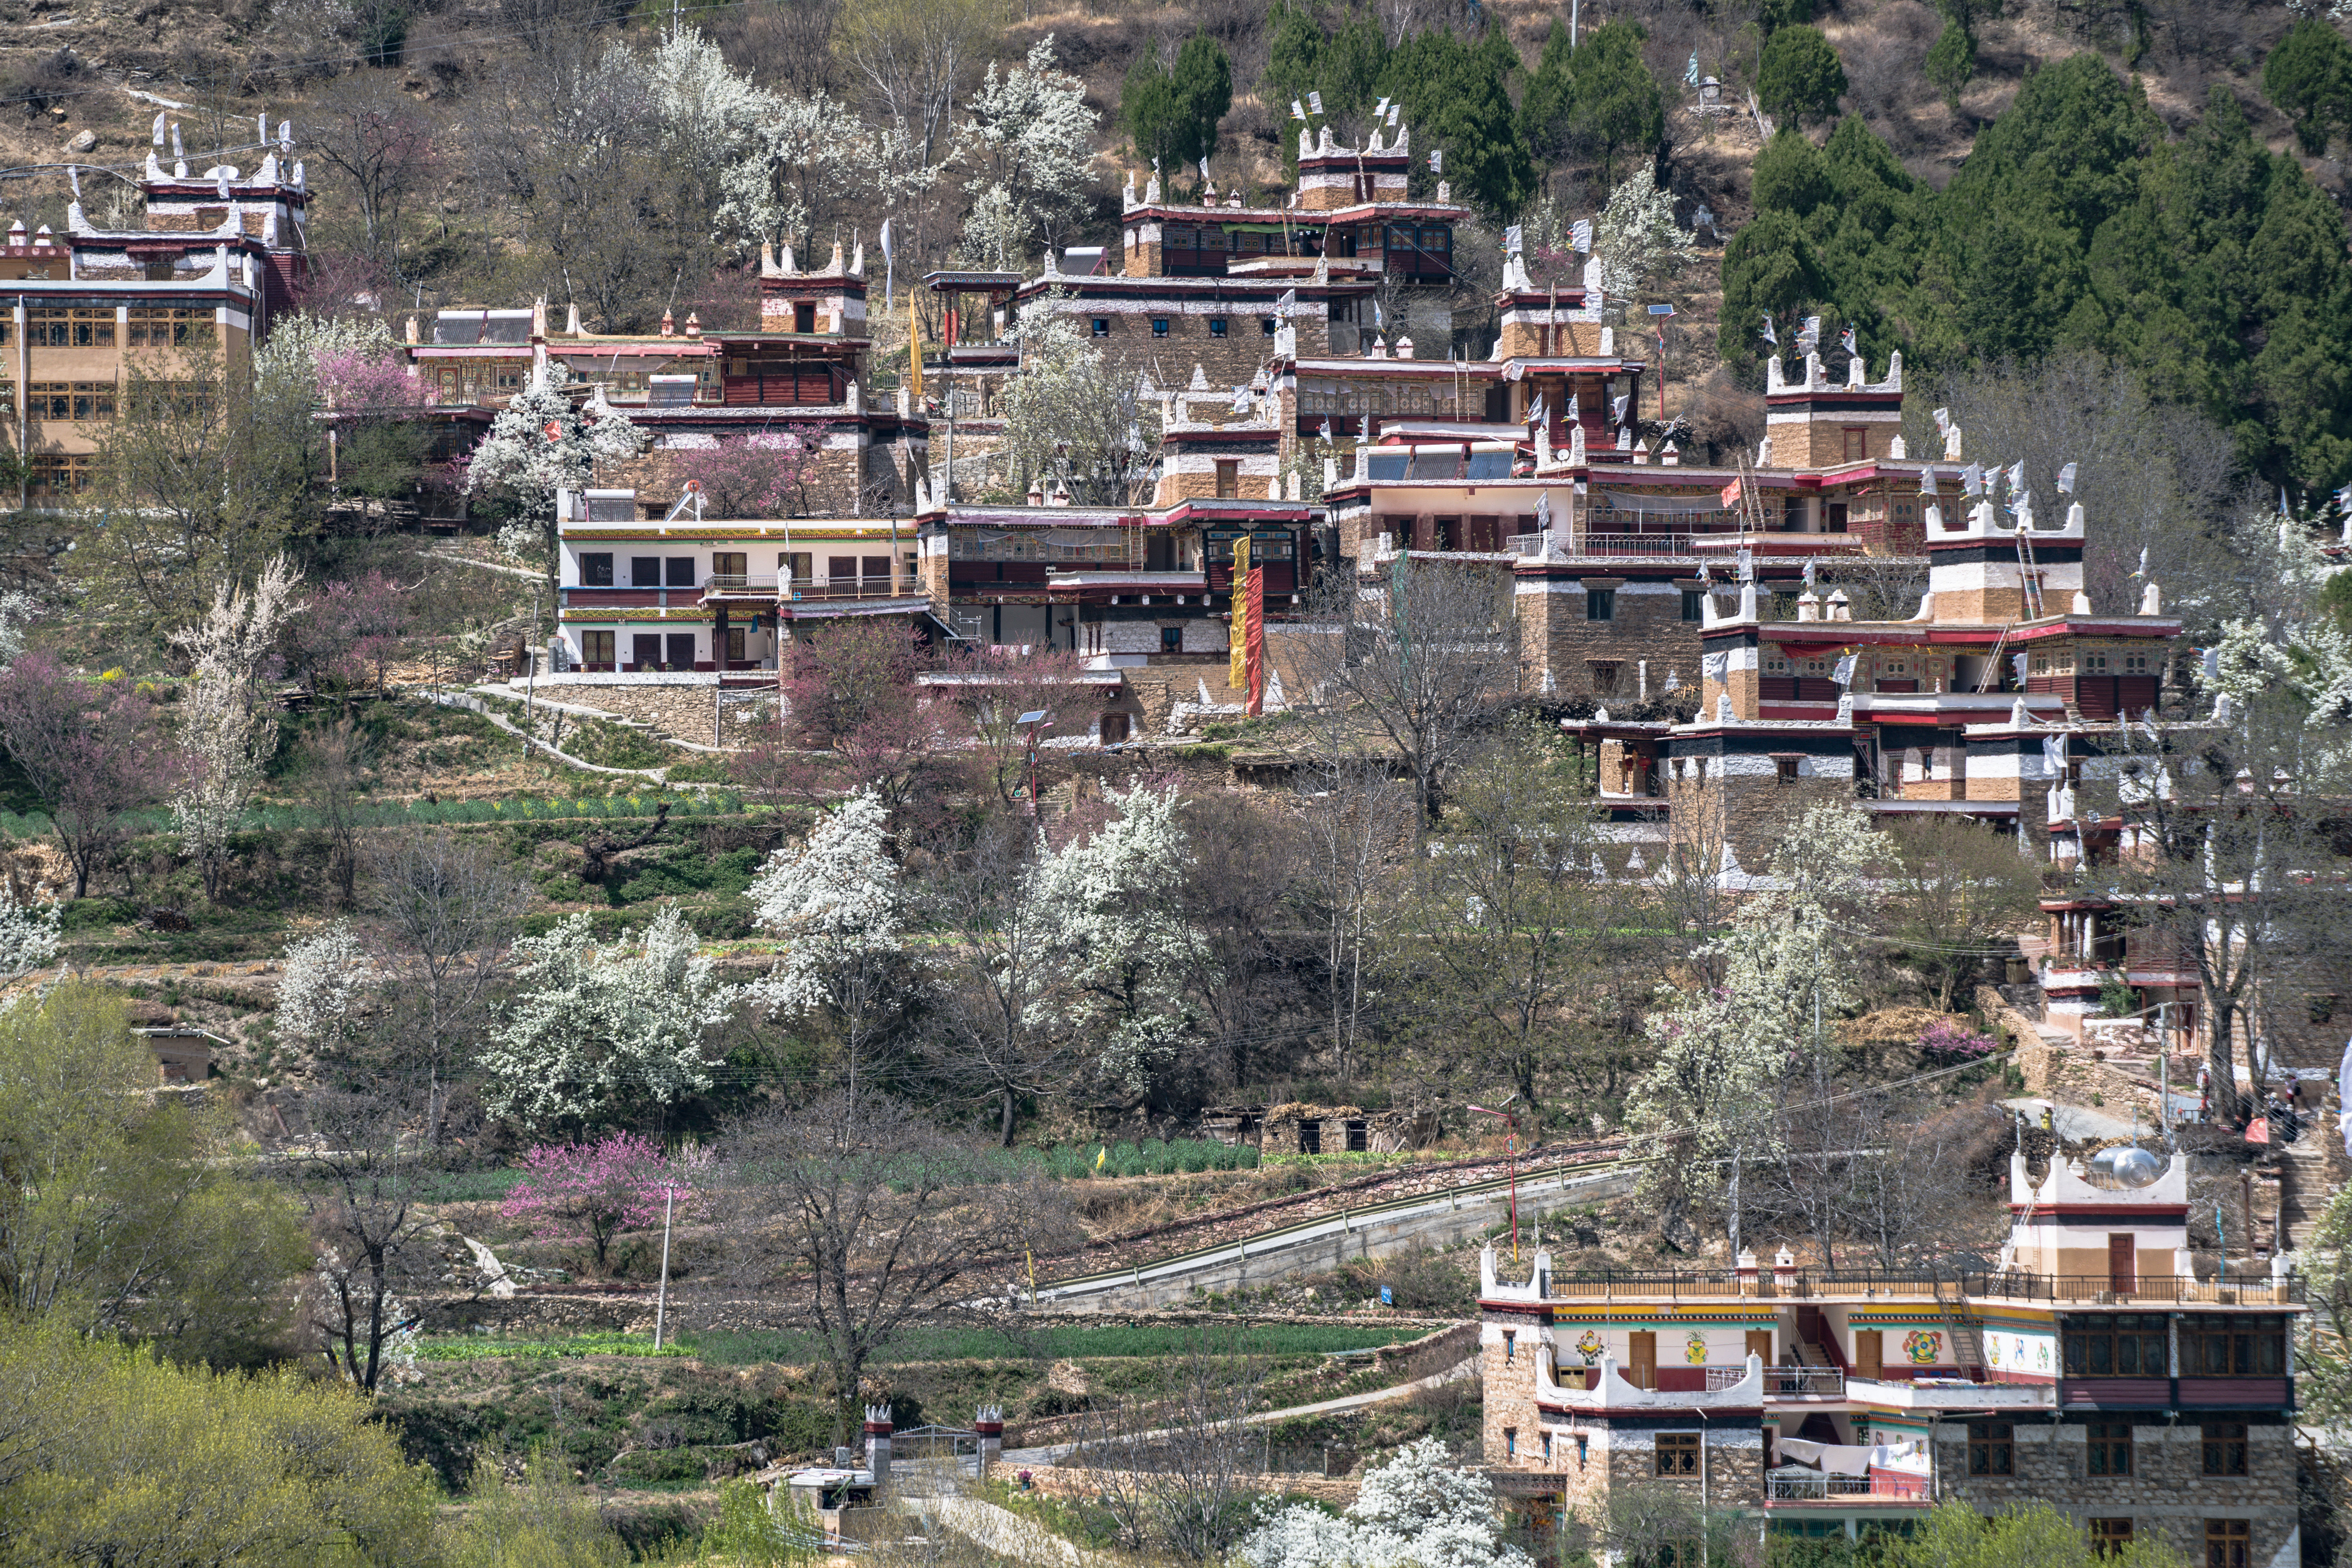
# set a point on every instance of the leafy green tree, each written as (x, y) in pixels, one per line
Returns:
(108, 1454)
(1172, 115)
(1778, 13)
(1343, 61)
(1609, 101)
(1455, 97)
(117, 1214)
(1952, 61)
(1800, 77)
(543, 1519)
(2214, 270)
(2309, 79)
(2035, 1536)
(1790, 175)
(1768, 269)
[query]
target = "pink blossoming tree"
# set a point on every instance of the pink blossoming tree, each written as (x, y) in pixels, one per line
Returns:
(762, 474)
(590, 1193)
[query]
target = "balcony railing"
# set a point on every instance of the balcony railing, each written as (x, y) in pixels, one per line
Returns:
(1614, 546)
(1786, 1382)
(1820, 1489)
(737, 583)
(2094, 1288)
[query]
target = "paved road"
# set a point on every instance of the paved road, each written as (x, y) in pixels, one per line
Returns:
(1054, 1454)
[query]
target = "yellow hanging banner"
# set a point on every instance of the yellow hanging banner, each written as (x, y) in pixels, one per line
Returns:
(1237, 638)
(914, 357)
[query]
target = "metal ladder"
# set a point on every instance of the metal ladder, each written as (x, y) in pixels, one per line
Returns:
(1967, 1338)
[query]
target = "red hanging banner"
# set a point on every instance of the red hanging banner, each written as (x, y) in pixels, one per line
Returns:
(1256, 644)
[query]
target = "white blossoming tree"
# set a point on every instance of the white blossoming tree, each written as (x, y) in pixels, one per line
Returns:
(29, 936)
(1637, 239)
(1033, 136)
(837, 903)
(1723, 1048)
(318, 985)
(800, 157)
(1070, 416)
(602, 1022)
(1418, 1510)
(543, 441)
(297, 342)
(228, 728)
(1124, 950)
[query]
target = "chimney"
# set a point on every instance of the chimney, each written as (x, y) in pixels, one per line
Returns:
(693, 324)
(669, 327)
(877, 1442)
(989, 1425)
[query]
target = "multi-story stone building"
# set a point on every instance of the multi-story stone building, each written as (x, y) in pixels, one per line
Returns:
(2093, 1368)
(1350, 264)
(180, 299)
(804, 375)
(655, 598)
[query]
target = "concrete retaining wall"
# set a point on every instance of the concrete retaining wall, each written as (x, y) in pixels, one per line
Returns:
(1438, 1220)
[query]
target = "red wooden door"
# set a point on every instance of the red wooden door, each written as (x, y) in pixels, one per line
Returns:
(2123, 1269)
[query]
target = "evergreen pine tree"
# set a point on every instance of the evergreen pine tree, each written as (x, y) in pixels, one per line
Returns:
(2308, 78)
(1800, 77)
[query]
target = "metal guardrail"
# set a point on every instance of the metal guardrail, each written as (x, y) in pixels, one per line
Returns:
(1201, 1259)
(1608, 545)
(907, 587)
(1805, 1488)
(1783, 1382)
(2096, 1290)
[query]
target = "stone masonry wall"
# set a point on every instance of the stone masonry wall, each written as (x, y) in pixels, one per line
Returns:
(2167, 1492)
(1747, 812)
(679, 711)
(1647, 623)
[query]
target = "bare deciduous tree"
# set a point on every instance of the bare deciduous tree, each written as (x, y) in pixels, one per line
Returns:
(358, 1178)
(995, 1033)
(1171, 1469)
(1512, 916)
(448, 908)
(857, 1220)
(1426, 652)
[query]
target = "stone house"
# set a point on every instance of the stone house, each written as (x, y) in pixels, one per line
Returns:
(2091, 1369)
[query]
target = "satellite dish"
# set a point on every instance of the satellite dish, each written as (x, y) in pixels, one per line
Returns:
(2126, 1165)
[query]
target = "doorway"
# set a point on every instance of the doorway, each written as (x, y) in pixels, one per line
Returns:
(681, 650)
(645, 652)
(1641, 1358)
(2123, 1264)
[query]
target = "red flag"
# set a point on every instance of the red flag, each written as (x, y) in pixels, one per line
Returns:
(1731, 495)
(2258, 1131)
(1257, 645)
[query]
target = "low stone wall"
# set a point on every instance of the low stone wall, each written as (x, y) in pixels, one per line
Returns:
(677, 707)
(1073, 1482)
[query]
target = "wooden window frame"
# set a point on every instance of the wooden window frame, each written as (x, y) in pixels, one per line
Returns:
(1992, 1448)
(1676, 1453)
(2107, 1450)
(2224, 1447)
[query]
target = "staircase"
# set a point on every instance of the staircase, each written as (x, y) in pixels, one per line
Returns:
(2311, 1169)
(1809, 1354)
(1967, 1334)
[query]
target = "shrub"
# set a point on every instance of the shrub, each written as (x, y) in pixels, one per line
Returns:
(1946, 1041)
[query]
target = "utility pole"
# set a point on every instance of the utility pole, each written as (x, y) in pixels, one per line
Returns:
(661, 1300)
(1511, 1145)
